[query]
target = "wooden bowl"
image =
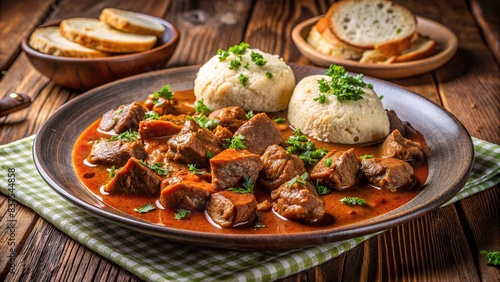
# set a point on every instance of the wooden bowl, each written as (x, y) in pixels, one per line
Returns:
(86, 73)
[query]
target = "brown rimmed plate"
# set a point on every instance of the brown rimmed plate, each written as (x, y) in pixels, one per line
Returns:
(449, 166)
(447, 44)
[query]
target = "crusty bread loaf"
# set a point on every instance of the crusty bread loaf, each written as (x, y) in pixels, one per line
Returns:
(95, 34)
(48, 40)
(371, 23)
(131, 22)
(374, 56)
(422, 47)
(322, 39)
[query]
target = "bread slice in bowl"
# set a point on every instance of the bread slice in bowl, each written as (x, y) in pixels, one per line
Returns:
(370, 23)
(421, 47)
(48, 40)
(95, 34)
(131, 22)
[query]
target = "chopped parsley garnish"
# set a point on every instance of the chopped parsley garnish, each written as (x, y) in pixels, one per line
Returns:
(301, 179)
(129, 136)
(328, 162)
(492, 258)
(145, 208)
(322, 189)
(259, 225)
(193, 169)
(113, 171)
(370, 156)
(235, 64)
(249, 114)
(181, 214)
(159, 168)
(222, 54)
(236, 142)
(381, 97)
(200, 107)
(280, 120)
(205, 122)
(239, 49)
(353, 201)
(243, 79)
(342, 85)
(151, 115)
(164, 93)
(305, 149)
(210, 154)
(269, 75)
(257, 58)
(247, 187)
(247, 65)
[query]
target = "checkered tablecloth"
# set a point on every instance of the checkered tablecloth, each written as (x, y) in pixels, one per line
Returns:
(155, 259)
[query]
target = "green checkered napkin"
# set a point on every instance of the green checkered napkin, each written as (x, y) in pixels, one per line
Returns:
(155, 259)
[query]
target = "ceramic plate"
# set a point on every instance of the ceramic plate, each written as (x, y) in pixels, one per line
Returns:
(446, 40)
(447, 138)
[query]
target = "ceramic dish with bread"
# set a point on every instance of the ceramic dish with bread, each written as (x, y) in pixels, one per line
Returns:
(379, 38)
(81, 53)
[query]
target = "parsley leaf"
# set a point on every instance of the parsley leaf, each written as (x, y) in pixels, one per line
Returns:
(159, 168)
(193, 169)
(164, 93)
(145, 208)
(269, 75)
(236, 142)
(322, 189)
(342, 85)
(205, 122)
(129, 136)
(151, 115)
(239, 49)
(353, 201)
(243, 79)
(249, 114)
(200, 107)
(328, 162)
(235, 64)
(257, 58)
(222, 54)
(181, 214)
(247, 187)
(301, 179)
(113, 171)
(370, 156)
(259, 225)
(492, 258)
(305, 149)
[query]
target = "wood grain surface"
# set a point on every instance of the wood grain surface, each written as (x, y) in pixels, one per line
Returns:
(443, 245)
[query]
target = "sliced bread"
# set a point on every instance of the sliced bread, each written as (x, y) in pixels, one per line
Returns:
(95, 34)
(131, 22)
(370, 23)
(322, 39)
(421, 47)
(48, 40)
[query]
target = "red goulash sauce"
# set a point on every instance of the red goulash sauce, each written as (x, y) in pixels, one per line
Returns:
(378, 201)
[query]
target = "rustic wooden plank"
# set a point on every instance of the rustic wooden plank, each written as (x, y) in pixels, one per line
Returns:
(206, 27)
(13, 28)
(486, 15)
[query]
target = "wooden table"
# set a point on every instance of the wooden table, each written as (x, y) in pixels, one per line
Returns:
(443, 245)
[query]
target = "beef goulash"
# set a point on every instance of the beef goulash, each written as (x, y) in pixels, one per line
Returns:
(172, 160)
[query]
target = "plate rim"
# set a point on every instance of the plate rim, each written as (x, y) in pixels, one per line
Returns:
(239, 241)
(385, 71)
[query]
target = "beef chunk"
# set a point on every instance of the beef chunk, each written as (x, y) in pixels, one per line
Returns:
(395, 122)
(230, 117)
(279, 167)
(230, 209)
(115, 153)
(388, 173)
(298, 202)
(134, 179)
(187, 192)
(192, 145)
(396, 146)
(337, 170)
(124, 118)
(231, 167)
(151, 129)
(260, 132)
